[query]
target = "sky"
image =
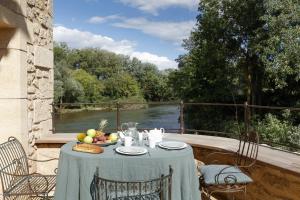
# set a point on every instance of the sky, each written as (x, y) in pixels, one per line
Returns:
(150, 30)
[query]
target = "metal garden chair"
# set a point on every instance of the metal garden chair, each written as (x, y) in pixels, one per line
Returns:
(16, 181)
(155, 189)
(218, 178)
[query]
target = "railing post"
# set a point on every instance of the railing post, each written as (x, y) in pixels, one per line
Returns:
(181, 118)
(246, 116)
(118, 116)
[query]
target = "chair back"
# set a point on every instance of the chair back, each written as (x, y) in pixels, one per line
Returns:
(155, 189)
(248, 149)
(13, 162)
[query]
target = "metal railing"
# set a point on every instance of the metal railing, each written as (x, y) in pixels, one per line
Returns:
(247, 110)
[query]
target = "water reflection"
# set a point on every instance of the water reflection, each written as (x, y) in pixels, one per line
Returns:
(163, 116)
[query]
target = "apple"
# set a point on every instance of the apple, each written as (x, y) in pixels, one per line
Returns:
(113, 137)
(81, 136)
(88, 140)
(91, 133)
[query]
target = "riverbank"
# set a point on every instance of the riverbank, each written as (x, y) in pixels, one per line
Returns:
(107, 108)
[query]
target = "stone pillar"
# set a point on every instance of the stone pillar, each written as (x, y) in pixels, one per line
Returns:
(40, 79)
(26, 70)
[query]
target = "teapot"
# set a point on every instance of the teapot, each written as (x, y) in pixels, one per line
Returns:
(156, 134)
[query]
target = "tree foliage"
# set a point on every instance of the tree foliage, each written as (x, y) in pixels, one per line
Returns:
(121, 86)
(246, 49)
(93, 75)
(93, 88)
(240, 51)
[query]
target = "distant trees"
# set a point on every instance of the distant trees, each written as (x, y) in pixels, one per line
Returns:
(92, 87)
(94, 75)
(121, 86)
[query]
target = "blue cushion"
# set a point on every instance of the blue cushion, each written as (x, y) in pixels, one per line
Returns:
(231, 175)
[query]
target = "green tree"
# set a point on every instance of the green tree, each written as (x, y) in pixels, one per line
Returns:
(73, 91)
(240, 51)
(121, 86)
(92, 66)
(221, 55)
(93, 88)
(280, 52)
(66, 88)
(60, 51)
(243, 49)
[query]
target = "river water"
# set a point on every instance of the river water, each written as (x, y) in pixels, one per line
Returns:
(162, 116)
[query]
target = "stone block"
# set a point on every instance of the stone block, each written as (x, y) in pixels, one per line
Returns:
(43, 57)
(13, 119)
(46, 127)
(42, 110)
(13, 74)
(46, 88)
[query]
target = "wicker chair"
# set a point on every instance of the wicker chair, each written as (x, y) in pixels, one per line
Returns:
(155, 189)
(218, 178)
(16, 181)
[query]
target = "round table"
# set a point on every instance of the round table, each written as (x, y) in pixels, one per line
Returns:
(76, 170)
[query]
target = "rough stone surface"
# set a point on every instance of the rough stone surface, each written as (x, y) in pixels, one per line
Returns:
(43, 57)
(26, 60)
(39, 68)
(42, 110)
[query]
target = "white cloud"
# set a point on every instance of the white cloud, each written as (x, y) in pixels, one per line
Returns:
(152, 6)
(100, 19)
(170, 31)
(82, 39)
(160, 61)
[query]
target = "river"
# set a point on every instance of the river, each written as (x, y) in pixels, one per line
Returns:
(162, 116)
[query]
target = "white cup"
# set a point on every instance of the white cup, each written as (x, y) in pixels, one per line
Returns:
(152, 142)
(127, 141)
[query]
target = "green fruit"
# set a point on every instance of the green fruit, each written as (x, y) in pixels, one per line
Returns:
(113, 137)
(91, 133)
(81, 136)
(88, 140)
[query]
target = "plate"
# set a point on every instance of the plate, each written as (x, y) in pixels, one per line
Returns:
(134, 151)
(173, 145)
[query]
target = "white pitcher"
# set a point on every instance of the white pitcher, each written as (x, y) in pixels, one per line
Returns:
(156, 134)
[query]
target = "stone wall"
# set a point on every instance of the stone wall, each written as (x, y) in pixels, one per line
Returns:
(39, 71)
(26, 70)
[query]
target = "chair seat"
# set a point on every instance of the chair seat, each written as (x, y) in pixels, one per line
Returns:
(230, 175)
(36, 183)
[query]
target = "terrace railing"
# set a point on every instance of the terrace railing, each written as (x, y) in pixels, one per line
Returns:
(248, 112)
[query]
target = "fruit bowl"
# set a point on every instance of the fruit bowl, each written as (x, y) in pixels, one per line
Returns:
(97, 138)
